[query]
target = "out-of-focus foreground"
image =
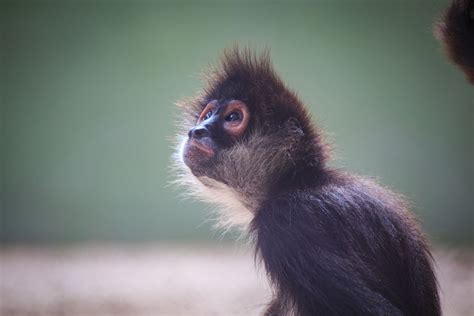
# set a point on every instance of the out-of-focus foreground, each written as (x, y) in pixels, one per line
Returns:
(167, 280)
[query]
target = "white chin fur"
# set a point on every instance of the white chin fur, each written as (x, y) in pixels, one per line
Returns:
(231, 211)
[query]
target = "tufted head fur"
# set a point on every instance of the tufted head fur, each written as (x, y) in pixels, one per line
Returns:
(278, 148)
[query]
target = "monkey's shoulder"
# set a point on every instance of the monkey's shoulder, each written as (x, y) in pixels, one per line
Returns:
(352, 196)
(354, 209)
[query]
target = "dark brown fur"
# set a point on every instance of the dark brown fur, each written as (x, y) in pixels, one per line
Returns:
(331, 243)
(456, 32)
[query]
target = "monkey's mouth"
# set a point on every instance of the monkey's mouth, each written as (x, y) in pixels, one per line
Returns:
(201, 146)
(197, 152)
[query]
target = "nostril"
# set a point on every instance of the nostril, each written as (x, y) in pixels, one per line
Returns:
(198, 132)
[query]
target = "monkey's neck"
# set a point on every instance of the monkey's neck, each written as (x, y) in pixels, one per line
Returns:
(309, 176)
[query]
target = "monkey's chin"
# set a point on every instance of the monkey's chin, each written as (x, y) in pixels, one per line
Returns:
(197, 154)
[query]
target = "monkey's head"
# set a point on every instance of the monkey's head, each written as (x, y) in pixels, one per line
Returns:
(246, 136)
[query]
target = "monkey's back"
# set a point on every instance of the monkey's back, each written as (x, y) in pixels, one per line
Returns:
(346, 247)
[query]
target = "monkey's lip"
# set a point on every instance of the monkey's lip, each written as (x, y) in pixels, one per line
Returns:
(201, 146)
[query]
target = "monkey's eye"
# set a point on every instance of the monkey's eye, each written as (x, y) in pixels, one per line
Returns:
(234, 116)
(207, 112)
(208, 115)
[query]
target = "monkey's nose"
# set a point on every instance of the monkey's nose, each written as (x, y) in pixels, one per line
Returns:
(198, 132)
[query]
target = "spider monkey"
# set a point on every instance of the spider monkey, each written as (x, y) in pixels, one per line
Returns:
(456, 31)
(332, 243)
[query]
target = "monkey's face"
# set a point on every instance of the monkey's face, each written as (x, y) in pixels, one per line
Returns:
(218, 127)
(233, 153)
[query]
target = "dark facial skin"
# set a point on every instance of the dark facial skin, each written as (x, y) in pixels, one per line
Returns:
(219, 125)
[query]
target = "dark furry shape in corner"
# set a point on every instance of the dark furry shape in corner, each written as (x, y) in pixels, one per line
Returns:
(456, 31)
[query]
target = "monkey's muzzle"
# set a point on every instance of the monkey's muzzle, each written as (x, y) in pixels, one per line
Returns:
(202, 146)
(198, 151)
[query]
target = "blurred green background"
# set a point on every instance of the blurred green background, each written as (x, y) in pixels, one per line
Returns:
(87, 92)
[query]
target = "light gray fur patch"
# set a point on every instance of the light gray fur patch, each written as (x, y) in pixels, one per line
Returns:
(239, 181)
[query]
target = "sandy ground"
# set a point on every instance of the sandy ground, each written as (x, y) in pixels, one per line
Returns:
(166, 280)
